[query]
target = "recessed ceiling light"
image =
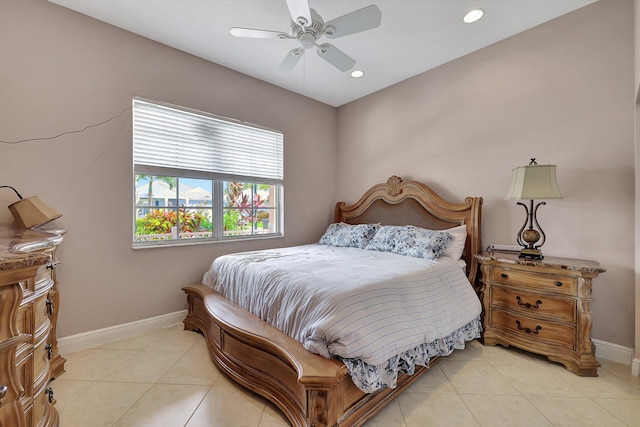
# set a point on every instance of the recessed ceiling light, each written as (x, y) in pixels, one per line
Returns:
(473, 15)
(357, 74)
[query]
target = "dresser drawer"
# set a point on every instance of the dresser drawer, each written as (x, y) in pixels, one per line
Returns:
(41, 320)
(28, 287)
(40, 404)
(24, 320)
(532, 304)
(534, 329)
(40, 364)
(544, 282)
(24, 372)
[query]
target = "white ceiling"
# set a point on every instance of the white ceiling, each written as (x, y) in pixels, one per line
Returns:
(414, 36)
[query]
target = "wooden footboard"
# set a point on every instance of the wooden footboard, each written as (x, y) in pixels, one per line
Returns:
(309, 389)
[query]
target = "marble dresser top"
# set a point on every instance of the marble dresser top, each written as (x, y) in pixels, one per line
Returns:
(25, 248)
(553, 262)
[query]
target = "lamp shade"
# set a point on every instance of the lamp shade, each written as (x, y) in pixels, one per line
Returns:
(32, 212)
(534, 182)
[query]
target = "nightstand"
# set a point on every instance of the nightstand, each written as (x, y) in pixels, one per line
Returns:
(542, 306)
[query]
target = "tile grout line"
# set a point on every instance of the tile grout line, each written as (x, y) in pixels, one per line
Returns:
(198, 406)
(533, 405)
(404, 419)
(608, 411)
(264, 408)
(140, 351)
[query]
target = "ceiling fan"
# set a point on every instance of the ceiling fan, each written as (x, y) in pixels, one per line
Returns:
(307, 26)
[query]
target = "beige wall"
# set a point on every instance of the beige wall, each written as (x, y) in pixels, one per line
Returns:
(636, 27)
(562, 92)
(637, 232)
(637, 170)
(62, 71)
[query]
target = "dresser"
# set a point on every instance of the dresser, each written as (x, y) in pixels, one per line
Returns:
(27, 316)
(542, 306)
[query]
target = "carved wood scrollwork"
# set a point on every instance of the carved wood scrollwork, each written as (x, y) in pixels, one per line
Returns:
(394, 185)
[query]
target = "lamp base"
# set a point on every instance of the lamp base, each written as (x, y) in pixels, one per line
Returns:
(530, 253)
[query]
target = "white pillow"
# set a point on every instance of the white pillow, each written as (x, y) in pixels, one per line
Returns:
(455, 248)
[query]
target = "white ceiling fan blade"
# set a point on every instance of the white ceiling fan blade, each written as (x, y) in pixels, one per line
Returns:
(258, 34)
(360, 20)
(290, 60)
(299, 11)
(336, 57)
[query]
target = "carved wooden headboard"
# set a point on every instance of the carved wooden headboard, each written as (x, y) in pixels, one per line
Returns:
(399, 202)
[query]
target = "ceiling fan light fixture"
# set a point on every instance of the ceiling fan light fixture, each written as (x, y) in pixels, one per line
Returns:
(356, 74)
(473, 15)
(307, 40)
(307, 26)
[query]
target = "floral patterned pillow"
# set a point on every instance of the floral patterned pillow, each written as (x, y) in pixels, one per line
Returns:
(349, 235)
(410, 241)
(385, 238)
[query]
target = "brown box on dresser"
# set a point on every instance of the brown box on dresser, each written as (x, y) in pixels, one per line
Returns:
(542, 306)
(27, 259)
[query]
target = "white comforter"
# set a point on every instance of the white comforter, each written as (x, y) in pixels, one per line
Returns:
(349, 302)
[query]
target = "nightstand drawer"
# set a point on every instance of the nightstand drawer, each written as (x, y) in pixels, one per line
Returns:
(535, 281)
(556, 308)
(534, 329)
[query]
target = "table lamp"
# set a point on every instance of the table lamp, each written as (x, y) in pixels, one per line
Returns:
(533, 182)
(31, 212)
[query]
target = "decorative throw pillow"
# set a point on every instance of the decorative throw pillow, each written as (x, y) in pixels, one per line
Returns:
(385, 238)
(410, 241)
(349, 235)
(456, 247)
(421, 243)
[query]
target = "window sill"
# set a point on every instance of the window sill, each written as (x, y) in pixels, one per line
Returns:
(189, 242)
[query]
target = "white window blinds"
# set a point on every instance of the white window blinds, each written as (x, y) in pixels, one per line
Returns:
(170, 138)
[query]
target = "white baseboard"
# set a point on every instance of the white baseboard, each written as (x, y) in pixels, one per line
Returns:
(102, 336)
(613, 352)
(635, 367)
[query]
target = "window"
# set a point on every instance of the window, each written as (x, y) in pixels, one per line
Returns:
(198, 177)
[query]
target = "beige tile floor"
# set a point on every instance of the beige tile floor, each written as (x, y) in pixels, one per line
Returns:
(165, 378)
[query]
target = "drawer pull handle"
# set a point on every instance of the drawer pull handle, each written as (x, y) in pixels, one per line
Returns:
(504, 275)
(49, 392)
(528, 330)
(3, 392)
(527, 304)
(558, 283)
(49, 307)
(49, 349)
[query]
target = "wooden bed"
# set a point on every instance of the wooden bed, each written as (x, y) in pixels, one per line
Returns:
(310, 389)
